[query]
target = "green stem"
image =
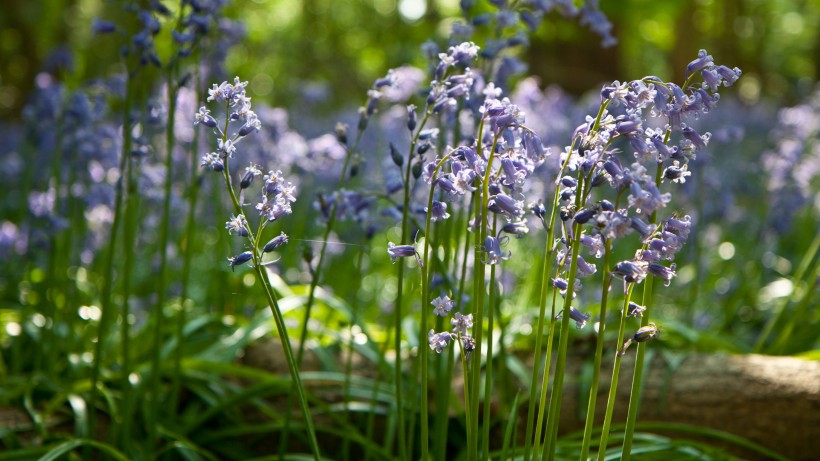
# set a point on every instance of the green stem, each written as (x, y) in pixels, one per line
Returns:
(349, 365)
(637, 375)
(187, 250)
(402, 436)
(158, 314)
(558, 378)
(616, 369)
(262, 278)
(543, 408)
(599, 348)
(546, 265)
(479, 289)
(111, 253)
(129, 238)
(488, 372)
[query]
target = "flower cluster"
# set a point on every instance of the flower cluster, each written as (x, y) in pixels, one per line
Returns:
(593, 156)
(239, 105)
(461, 331)
(276, 195)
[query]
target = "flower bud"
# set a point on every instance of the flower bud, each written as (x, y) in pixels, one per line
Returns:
(398, 160)
(275, 243)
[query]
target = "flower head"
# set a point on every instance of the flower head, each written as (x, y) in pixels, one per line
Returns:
(443, 305)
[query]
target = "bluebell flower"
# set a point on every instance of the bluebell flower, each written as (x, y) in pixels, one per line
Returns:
(438, 341)
(212, 161)
(461, 323)
(579, 318)
(251, 171)
(518, 228)
(237, 225)
(204, 117)
(676, 172)
(439, 211)
(467, 345)
(402, 251)
(635, 310)
(275, 243)
(662, 272)
(239, 259)
(585, 269)
(614, 224)
(442, 305)
(492, 251)
(633, 271)
(643, 334)
(101, 26)
(505, 205)
(703, 61)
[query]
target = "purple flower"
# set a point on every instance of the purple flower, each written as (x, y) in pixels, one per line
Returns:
(442, 306)
(237, 225)
(492, 251)
(438, 212)
(703, 61)
(506, 205)
(402, 251)
(275, 243)
(438, 341)
(239, 259)
(461, 323)
(662, 272)
(251, 171)
(635, 310)
(518, 228)
(585, 269)
(204, 117)
(579, 318)
(632, 271)
(101, 26)
(213, 162)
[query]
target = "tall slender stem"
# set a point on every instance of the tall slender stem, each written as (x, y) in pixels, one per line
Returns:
(616, 369)
(111, 253)
(599, 352)
(164, 230)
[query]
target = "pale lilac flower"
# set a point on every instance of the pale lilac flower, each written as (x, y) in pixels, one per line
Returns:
(461, 323)
(492, 251)
(438, 341)
(212, 161)
(438, 212)
(251, 171)
(443, 305)
(204, 117)
(635, 310)
(662, 272)
(518, 228)
(632, 271)
(226, 147)
(237, 225)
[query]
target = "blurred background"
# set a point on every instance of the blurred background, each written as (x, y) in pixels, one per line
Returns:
(746, 281)
(331, 51)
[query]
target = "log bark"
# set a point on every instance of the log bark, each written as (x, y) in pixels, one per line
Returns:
(773, 401)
